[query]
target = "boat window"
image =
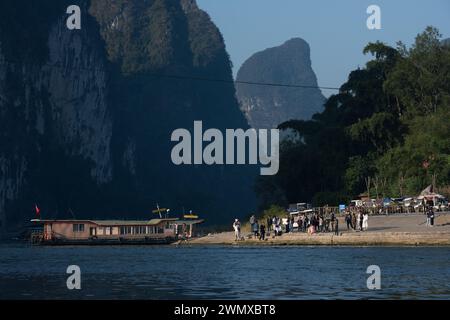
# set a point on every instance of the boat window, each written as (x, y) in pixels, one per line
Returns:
(139, 230)
(125, 230)
(78, 227)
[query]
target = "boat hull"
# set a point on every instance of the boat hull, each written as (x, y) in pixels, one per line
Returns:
(103, 242)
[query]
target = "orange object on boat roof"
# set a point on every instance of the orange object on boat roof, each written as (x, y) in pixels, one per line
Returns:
(190, 216)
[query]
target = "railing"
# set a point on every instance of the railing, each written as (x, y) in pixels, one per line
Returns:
(376, 210)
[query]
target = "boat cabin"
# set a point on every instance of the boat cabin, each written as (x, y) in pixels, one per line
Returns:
(79, 231)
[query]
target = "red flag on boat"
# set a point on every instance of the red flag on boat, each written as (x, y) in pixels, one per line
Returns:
(38, 211)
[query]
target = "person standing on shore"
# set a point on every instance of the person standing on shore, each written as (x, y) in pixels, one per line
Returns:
(311, 229)
(354, 220)
(431, 213)
(361, 219)
(333, 221)
(336, 227)
(262, 232)
(365, 221)
(291, 224)
(348, 220)
(358, 216)
(284, 223)
(252, 222)
(307, 222)
(269, 223)
(256, 229)
(312, 222)
(237, 230)
(278, 230)
(327, 222)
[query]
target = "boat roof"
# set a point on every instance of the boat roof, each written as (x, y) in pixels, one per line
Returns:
(151, 222)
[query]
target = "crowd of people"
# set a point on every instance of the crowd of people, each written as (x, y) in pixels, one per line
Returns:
(310, 223)
(356, 219)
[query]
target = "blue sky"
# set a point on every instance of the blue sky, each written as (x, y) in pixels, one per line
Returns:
(335, 30)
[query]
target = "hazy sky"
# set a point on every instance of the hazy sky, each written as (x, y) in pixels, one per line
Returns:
(335, 30)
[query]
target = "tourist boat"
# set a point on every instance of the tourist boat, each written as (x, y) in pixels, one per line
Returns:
(101, 232)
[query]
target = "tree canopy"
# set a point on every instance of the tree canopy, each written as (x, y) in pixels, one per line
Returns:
(387, 131)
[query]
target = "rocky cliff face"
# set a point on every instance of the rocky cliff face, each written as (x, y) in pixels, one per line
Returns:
(86, 115)
(267, 107)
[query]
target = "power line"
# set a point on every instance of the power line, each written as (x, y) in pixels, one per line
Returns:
(180, 77)
(243, 82)
(286, 85)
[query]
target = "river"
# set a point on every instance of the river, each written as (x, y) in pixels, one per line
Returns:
(215, 272)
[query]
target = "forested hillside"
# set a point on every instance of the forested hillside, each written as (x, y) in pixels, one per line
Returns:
(86, 115)
(387, 131)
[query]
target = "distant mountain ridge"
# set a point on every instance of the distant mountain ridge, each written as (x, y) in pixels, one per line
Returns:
(266, 106)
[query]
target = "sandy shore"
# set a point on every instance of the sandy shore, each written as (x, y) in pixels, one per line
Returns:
(395, 230)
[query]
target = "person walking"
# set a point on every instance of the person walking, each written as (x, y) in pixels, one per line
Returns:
(237, 230)
(336, 227)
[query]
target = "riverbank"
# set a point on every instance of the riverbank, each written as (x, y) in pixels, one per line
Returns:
(395, 230)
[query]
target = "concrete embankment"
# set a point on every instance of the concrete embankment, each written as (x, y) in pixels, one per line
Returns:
(378, 239)
(398, 230)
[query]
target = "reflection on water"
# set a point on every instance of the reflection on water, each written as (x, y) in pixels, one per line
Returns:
(167, 272)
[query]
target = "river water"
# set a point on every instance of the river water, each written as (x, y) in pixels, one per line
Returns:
(169, 272)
